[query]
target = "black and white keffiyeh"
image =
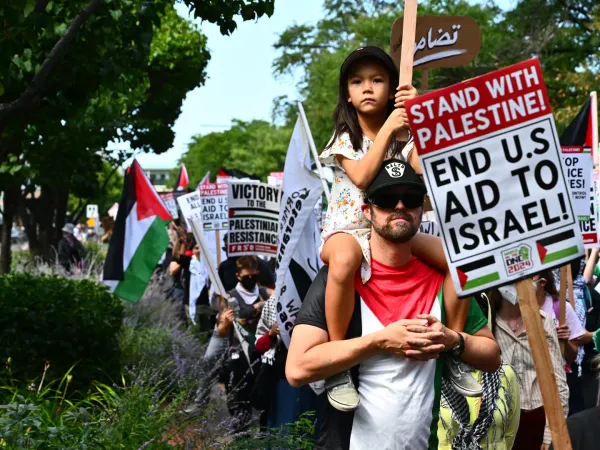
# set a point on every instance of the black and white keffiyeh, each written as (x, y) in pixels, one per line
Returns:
(468, 437)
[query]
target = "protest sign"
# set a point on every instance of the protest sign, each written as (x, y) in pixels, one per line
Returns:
(429, 227)
(440, 41)
(214, 206)
(171, 203)
(253, 215)
(191, 207)
(492, 165)
(577, 165)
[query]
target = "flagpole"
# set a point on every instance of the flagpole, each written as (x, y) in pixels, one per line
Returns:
(313, 150)
(594, 112)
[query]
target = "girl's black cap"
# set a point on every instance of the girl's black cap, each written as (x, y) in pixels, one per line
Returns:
(369, 51)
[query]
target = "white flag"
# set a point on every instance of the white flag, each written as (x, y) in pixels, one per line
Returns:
(298, 261)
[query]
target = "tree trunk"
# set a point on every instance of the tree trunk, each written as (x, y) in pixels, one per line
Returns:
(11, 197)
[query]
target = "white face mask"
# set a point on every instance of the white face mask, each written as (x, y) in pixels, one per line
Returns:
(509, 293)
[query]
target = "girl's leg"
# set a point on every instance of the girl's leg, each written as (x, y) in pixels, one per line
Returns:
(343, 254)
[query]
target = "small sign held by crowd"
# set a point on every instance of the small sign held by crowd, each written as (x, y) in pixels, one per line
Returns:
(214, 206)
(253, 217)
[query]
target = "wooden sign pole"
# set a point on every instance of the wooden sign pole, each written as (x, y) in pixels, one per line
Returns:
(218, 239)
(424, 80)
(408, 50)
(530, 311)
(570, 286)
(562, 298)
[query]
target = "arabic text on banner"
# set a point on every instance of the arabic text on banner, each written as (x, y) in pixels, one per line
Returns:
(214, 206)
(253, 216)
(493, 168)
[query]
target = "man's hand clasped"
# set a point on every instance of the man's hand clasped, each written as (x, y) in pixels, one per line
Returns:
(422, 339)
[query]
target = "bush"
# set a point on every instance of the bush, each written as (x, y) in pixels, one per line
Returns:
(60, 321)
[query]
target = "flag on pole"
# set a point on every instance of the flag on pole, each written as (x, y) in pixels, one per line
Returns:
(139, 237)
(182, 179)
(298, 260)
(579, 133)
(205, 180)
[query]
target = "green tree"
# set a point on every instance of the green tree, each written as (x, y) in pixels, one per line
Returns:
(130, 90)
(563, 34)
(256, 147)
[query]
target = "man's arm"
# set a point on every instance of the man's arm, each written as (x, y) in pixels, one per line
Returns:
(312, 357)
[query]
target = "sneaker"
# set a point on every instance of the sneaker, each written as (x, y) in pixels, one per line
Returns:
(341, 392)
(460, 376)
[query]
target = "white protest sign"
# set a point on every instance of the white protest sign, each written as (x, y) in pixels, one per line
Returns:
(91, 212)
(428, 227)
(577, 165)
(253, 216)
(191, 207)
(169, 200)
(493, 168)
(214, 206)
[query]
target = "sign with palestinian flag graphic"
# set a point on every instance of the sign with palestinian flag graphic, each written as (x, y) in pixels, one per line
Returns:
(496, 177)
(578, 143)
(139, 237)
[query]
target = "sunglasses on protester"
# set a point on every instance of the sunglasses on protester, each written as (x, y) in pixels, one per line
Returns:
(409, 199)
(250, 277)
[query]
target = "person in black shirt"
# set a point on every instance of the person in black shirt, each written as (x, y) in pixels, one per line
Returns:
(239, 321)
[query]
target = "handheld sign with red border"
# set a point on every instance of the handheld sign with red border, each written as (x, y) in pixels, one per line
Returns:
(214, 206)
(171, 203)
(253, 218)
(577, 163)
(493, 168)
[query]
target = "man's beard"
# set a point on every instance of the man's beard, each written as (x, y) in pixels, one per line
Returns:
(398, 233)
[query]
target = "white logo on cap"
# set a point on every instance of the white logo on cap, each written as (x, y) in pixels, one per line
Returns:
(395, 170)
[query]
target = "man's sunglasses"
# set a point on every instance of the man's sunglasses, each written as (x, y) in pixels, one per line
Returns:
(410, 200)
(250, 277)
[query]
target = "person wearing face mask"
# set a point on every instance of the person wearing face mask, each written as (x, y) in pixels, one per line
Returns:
(511, 336)
(245, 307)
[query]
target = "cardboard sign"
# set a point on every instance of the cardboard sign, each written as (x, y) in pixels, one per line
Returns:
(169, 199)
(493, 168)
(214, 206)
(440, 41)
(191, 207)
(253, 217)
(577, 164)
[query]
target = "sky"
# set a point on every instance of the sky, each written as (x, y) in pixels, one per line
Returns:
(240, 82)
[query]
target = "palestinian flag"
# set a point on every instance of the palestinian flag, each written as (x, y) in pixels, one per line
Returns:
(182, 179)
(558, 247)
(477, 273)
(139, 237)
(580, 132)
(235, 174)
(204, 181)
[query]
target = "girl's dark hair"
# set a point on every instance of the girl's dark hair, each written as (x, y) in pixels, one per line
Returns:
(346, 118)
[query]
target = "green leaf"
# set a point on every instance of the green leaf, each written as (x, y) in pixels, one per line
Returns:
(29, 7)
(60, 29)
(116, 13)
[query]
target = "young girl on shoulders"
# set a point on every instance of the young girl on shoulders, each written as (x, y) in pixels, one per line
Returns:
(368, 116)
